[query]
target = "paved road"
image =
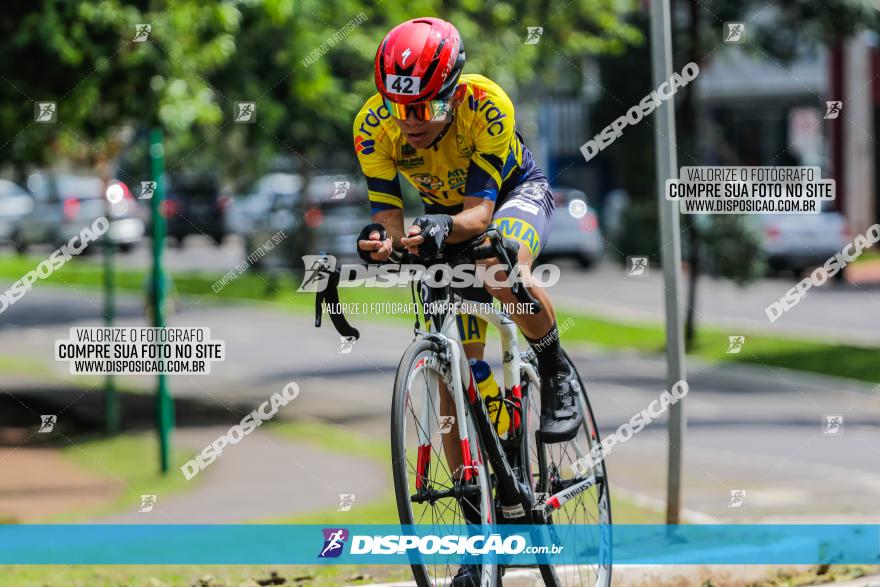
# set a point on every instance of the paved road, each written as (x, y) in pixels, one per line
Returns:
(260, 478)
(830, 312)
(750, 428)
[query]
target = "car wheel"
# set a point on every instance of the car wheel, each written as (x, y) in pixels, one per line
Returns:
(218, 239)
(248, 244)
(18, 243)
(178, 241)
(584, 261)
(126, 247)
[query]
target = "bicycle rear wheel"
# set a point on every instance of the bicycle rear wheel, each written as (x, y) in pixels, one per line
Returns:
(425, 486)
(550, 466)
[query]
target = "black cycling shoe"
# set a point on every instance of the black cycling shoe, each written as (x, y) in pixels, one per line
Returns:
(561, 415)
(467, 576)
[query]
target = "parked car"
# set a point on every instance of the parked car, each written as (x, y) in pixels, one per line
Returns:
(65, 203)
(576, 232)
(245, 211)
(338, 208)
(325, 218)
(15, 204)
(797, 242)
(193, 205)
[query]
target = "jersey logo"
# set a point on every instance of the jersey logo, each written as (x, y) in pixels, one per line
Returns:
(364, 146)
(521, 231)
(428, 181)
(474, 99)
(456, 178)
(463, 149)
(405, 56)
(490, 111)
(409, 157)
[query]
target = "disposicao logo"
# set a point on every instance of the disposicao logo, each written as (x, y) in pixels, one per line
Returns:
(334, 540)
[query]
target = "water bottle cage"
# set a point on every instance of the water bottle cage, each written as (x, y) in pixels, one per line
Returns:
(515, 414)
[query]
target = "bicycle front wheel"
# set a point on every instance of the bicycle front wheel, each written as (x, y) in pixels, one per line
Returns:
(428, 488)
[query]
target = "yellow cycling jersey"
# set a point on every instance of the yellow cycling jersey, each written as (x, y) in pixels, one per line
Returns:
(480, 154)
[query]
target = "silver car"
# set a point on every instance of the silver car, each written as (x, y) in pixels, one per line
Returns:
(246, 211)
(326, 217)
(65, 203)
(576, 232)
(797, 242)
(15, 204)
(338, 210)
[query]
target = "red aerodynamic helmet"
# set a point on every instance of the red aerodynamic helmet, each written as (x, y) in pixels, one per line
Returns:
(419, 60)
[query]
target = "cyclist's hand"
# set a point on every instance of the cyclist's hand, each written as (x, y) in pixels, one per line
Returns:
(426, 235)
(374, 244)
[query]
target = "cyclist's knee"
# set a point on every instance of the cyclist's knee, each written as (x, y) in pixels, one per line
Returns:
(474, 350)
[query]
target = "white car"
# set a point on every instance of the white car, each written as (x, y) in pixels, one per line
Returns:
(15, 204)
(797, 242)
(575, 232)
(64, 203)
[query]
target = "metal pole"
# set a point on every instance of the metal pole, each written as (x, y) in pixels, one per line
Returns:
(111, 399)
(164, 405)
(664, 142)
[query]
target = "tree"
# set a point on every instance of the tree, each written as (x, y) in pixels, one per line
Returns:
(201, 57)
(816, 22)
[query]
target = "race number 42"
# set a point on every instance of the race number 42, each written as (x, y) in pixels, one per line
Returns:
(403, 84)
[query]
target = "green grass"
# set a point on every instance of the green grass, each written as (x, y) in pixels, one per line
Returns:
(817, 575)
(843, 360)
(868, 255)
(132, 460)
(81, 273)
(21, 365)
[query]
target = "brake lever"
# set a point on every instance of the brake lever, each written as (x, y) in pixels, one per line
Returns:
(330, 294)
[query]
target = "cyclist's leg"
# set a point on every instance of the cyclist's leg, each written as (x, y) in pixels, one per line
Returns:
(472, 331)
(526, 217)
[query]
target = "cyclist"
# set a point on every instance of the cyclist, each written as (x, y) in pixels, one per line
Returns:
(453, 137)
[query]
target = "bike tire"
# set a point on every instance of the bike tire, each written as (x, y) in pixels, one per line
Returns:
(539, 469)
(402, 459)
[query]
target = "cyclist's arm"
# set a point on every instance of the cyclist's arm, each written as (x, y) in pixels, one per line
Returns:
(474, 219)
(392, 220)
(374, 155)
(491, 161)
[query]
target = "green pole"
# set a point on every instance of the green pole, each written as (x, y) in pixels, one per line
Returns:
(164, 405)
(111, 399)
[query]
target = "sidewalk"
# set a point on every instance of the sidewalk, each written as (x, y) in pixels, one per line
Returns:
(263, 476)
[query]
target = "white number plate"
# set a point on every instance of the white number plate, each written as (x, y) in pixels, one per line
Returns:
(403, 84)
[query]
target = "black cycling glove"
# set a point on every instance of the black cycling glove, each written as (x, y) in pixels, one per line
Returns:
(365, 236)
(435, 229)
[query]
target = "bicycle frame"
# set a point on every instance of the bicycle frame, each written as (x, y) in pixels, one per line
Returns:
(517, 498)
(518, 501)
